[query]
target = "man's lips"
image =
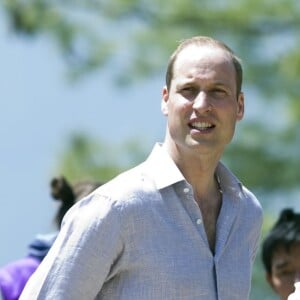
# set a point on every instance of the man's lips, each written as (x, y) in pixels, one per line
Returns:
(201, 125)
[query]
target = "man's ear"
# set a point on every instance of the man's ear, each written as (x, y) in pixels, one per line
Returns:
(270, 281)
(240, 107)
(164, 101)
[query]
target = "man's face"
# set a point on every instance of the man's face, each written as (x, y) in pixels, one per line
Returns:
(285, 270)
(202, 104)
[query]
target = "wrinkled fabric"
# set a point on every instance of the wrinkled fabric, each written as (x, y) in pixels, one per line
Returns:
(15, 275)
(141, 237)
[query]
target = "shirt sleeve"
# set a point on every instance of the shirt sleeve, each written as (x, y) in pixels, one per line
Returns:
(87, 248)
(257, 238)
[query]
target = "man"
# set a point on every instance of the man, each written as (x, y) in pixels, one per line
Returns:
(281, 254)
(178, 226)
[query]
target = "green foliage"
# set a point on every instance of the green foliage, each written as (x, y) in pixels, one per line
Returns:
(140, 35)
(84, 158)
(147, 31)
(264, 160)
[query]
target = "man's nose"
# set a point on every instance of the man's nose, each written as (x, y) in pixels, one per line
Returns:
(202, 102)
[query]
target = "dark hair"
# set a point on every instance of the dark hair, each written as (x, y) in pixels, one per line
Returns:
(201, 41)
(284, 233)
(63, 191)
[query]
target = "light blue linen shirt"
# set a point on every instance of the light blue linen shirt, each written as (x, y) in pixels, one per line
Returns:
(141, 237)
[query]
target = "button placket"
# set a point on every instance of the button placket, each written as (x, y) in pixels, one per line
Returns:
(188, 192)
(193, 210)
(199, 221)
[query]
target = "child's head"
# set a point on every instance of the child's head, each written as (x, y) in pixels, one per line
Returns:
(69, 194)
(281, 253)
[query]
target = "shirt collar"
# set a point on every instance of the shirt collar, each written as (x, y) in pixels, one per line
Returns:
(162, 168)
(165, 172)
(229, 182)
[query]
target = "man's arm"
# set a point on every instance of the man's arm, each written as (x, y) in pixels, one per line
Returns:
(82, 256)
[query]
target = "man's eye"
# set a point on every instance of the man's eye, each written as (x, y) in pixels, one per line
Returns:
(219, 92)
(285, 273)
(188, 91)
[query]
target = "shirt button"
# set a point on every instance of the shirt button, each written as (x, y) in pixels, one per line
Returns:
(186, 190)
(199, 221)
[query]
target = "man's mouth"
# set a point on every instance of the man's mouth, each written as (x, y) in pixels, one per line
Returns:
(201, 125)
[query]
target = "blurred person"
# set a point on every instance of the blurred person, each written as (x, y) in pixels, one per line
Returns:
(14, 275)
(281, 253)
(178, 226)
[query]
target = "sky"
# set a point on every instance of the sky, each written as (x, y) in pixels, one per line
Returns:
(39, 111)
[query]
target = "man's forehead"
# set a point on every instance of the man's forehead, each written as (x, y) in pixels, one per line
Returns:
(285, 255)
(205, 50)
(202, 56)
(281, 262)
(204, 59)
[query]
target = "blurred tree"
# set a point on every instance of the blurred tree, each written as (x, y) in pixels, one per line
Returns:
(139, 36)
(84, 158)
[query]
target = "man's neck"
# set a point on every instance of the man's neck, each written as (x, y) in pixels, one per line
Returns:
(197, 168)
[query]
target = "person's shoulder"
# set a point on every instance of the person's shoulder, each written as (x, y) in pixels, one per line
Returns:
(251, 198)
(127, 188)
(234, 186)
(130, 189)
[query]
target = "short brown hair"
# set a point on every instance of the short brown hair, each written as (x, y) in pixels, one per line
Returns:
(200, 41)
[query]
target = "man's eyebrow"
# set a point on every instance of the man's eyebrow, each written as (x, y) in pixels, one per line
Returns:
(212, 83)
(281, 265)
(185, 81)
(221, 83)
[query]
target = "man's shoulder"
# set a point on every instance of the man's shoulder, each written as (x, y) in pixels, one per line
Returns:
(233, 185)
(251, 199)
(129, 187)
